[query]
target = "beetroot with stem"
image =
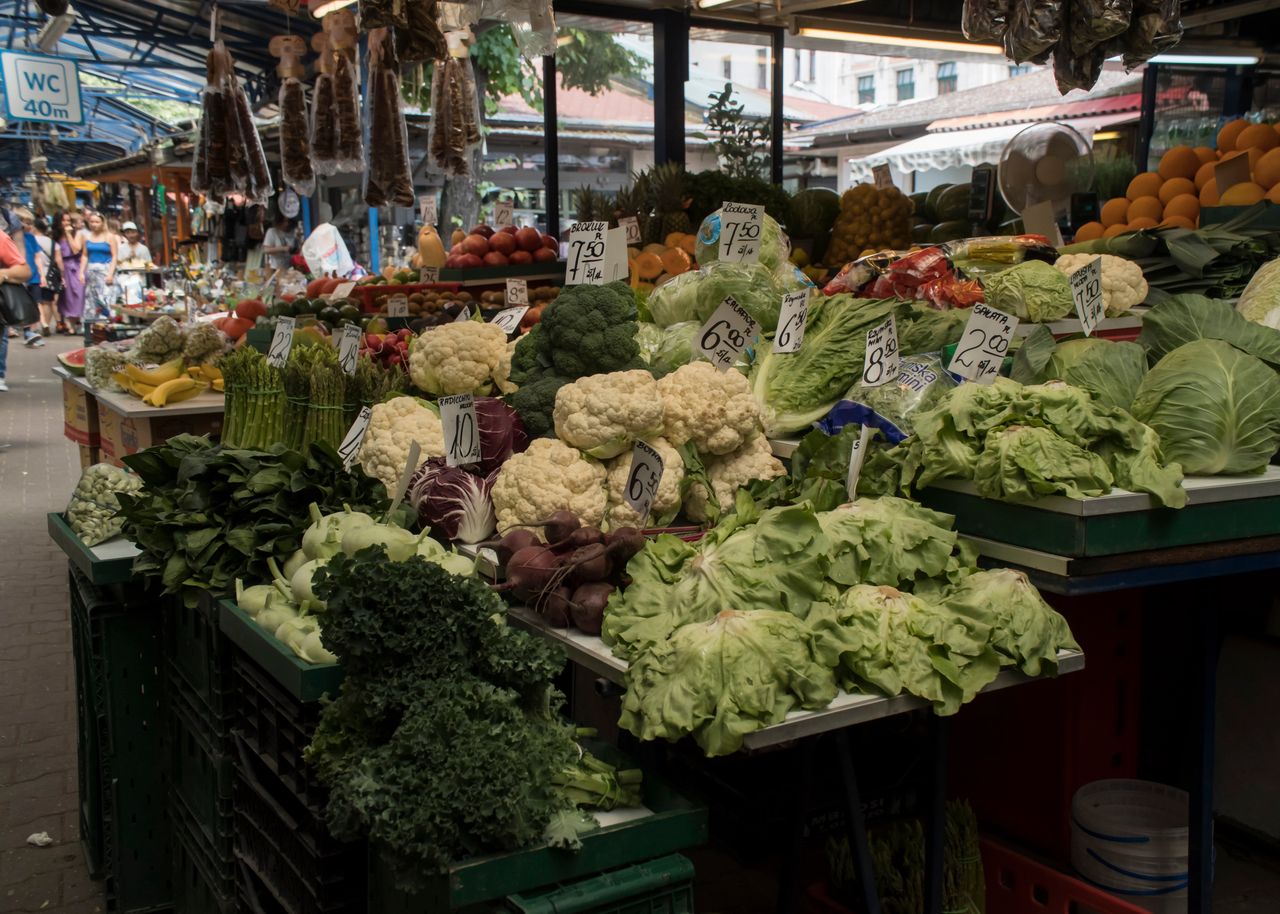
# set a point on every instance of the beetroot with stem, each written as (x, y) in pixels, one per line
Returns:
(558, 526)
(590, 563)
(512, 542)
(531, 571)
(587, 605)
(624, 543)
(556, 607)
(583, 536)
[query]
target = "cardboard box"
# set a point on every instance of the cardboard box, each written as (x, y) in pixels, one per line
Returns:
(79, 415)
(89, 456)
(123, 435)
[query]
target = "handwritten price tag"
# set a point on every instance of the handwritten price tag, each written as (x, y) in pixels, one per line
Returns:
(857, 454)
(502, 214)
(427, 209)
(1086, 289)
(740, 228)
(791, 321)
(349, 449)
(728, 331)
(587, 248)
(983, 345)
(463, 315)
(882, 359)
(643, 478)
(509, 319)
(398, 306)
(341, 291)
(517, 292)
(630, 226)
(882, 176)
(429, 274)
(281, 342)
(461, 439)
(349, 348)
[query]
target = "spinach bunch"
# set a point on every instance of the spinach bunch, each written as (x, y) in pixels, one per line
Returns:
(207, 515)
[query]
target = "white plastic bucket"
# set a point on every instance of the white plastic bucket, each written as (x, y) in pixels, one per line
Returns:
(1130, 838)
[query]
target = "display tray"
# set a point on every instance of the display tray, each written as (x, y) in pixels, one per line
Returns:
(76, 379)
(128, 405)
(553, 270)
(666, 822)
(1125, 327)
(106, 563)
(1219, 508)
(846, 710)
(304, 681)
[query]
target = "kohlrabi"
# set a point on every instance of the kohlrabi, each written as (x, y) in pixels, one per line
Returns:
(253, 600)
(323, 539)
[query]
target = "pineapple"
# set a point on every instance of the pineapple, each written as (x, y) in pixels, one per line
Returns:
(591, 205)
(670, 202)
(634, 201)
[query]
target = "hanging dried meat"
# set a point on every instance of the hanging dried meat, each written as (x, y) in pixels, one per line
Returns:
(346, 112)
(229, 155)
(295, 132)
(388, 179)
(1033, 28)
(455, 117)
(421, 39)
(1156, 27)
(380, 14)
(324, 127)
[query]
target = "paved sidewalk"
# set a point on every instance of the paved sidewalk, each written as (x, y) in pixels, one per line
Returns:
(38, 469)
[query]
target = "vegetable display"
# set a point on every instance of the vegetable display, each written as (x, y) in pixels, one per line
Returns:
(91, 513)
(394, 426)
(602, 414)
(1123, 285)
(463, 357)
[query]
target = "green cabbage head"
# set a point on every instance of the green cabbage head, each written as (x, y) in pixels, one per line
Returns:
(1110, 371)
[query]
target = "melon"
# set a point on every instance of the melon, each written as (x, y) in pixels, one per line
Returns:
(73, 361)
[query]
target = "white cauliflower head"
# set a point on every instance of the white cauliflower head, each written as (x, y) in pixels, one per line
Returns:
(464, 357)
(603, 414)
(548, 477)
(754, 460)
(1123, 285)
(393, 427)
(713, 409)
(667, 500)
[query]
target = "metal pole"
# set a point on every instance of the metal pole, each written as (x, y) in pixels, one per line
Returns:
(1147, 121)
(1208, 634)
(550, 145)
(776, 123)
(306, 217)
(936, 820)
(857, 827)
(670, 73)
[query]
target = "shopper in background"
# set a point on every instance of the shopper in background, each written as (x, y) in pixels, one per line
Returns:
(68, 246)
(21, 232)
(134, 253)
(13, 268)
(39, 229)
(278, 243)
(98, 265)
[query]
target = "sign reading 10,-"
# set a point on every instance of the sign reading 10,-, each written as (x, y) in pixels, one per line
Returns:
(461, 438)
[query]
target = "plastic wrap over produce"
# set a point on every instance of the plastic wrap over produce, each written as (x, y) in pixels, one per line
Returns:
(229, 157)
(455, 124)
(984, 20)
(532, 23)
(422, 38)
(295, 139)
(1156, 27)
(1034, 27)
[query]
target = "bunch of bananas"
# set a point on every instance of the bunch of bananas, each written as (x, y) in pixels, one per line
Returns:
(167, 383)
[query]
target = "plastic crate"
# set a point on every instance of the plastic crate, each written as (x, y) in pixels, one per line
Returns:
(289, 850)
(119, 724)
(252, 896)
(202, 884)
(662, 886)
(199, 767)
(196, 649)
(1018, 884)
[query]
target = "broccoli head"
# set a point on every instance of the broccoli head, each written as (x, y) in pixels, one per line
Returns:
(530, 360)
(535, 402)
(591, 330)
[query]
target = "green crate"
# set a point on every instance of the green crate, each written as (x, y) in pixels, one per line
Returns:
(200, 767)
(110, 565)
(122, 810)
(198, 654)
(304, 681)
(675, 822)
(201, 883)
(662, 886)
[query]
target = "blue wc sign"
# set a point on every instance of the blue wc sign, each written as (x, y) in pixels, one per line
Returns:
(38, 87)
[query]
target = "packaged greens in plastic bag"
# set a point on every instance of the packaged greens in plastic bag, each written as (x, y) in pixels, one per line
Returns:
(91, 513)
(920, 382)
(1034, 27)
(984, 20)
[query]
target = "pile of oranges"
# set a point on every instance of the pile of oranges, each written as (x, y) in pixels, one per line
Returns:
(1174, 194)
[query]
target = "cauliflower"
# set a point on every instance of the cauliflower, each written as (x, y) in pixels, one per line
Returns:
(1123, 284)
(159, 343)
(546, 478)
(713, 409)
(393, 427)
(204, 343)
(667, 500)
(754, 460)
(603, 413)
(465, 357)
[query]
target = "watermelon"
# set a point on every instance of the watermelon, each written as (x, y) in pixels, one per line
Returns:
(73, 361)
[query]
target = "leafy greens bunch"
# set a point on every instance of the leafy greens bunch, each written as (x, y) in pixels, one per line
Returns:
(444, 743)
(207, 515)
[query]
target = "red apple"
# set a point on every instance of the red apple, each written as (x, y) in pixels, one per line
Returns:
(520, 257)
(482, 230)
(507, 230)
(544, 255)
(470, 262)
(457, 246)
(495, 259)
(475, 244)
(503, 243)
(528, 239)
(549, 242)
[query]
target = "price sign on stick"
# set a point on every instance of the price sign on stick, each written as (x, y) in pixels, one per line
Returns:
(791, 320)
(983, 345)
(615, 246)
(643, 478)
(882, 176)
(630, 226)
(586, 261)
(857, 454)
(517, 292)
(281, 342)
(349, 449)
(1086, 289)
(509, 319)
(402, 484)
(461, 439)
(349, 348)
(882, 359)
(502, 214)
(740, 227)
(427, 209)
(463, 315)
(428, 274)
(398, 306)
(728, 331)
(341, 291)
(1041, 219)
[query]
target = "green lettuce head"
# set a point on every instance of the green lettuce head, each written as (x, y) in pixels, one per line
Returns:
(1032, 291)
(695, 295)
(1215, 408)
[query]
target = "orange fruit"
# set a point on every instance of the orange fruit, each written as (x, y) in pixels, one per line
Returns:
(1205, 154)
(1176, 187)
(1209, 193)
(1229, 133)
(1258, 136)
(1179, 221)
(1267, 170)
(1205, 174)
(1184, 206)
(1114, 230)
(1141, 222)
(1274, 194)
(1182, 162)
(1115, 211)
(1089, 231)
(1146, 184)
(1146, 208)
(1245, 194)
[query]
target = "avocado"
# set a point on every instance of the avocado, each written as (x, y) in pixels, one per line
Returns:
(949, 231)
(349, 312)
(921, 232)
(931, 202)
(306, 306)
(953, 203)
(921, 203)
(329, 314)
(283, 309)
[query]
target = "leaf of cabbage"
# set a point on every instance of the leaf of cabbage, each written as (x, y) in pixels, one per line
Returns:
(1025, 630)
(1188, 318)
(1110, 371)
(887, 540)
(1024, 462)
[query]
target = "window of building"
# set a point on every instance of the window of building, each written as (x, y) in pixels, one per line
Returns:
(726, 67)
(813, 66)
(946, 78)
(866, 90)
(762, 68)
(795, 56)
(1017, 69)
(906, 85)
